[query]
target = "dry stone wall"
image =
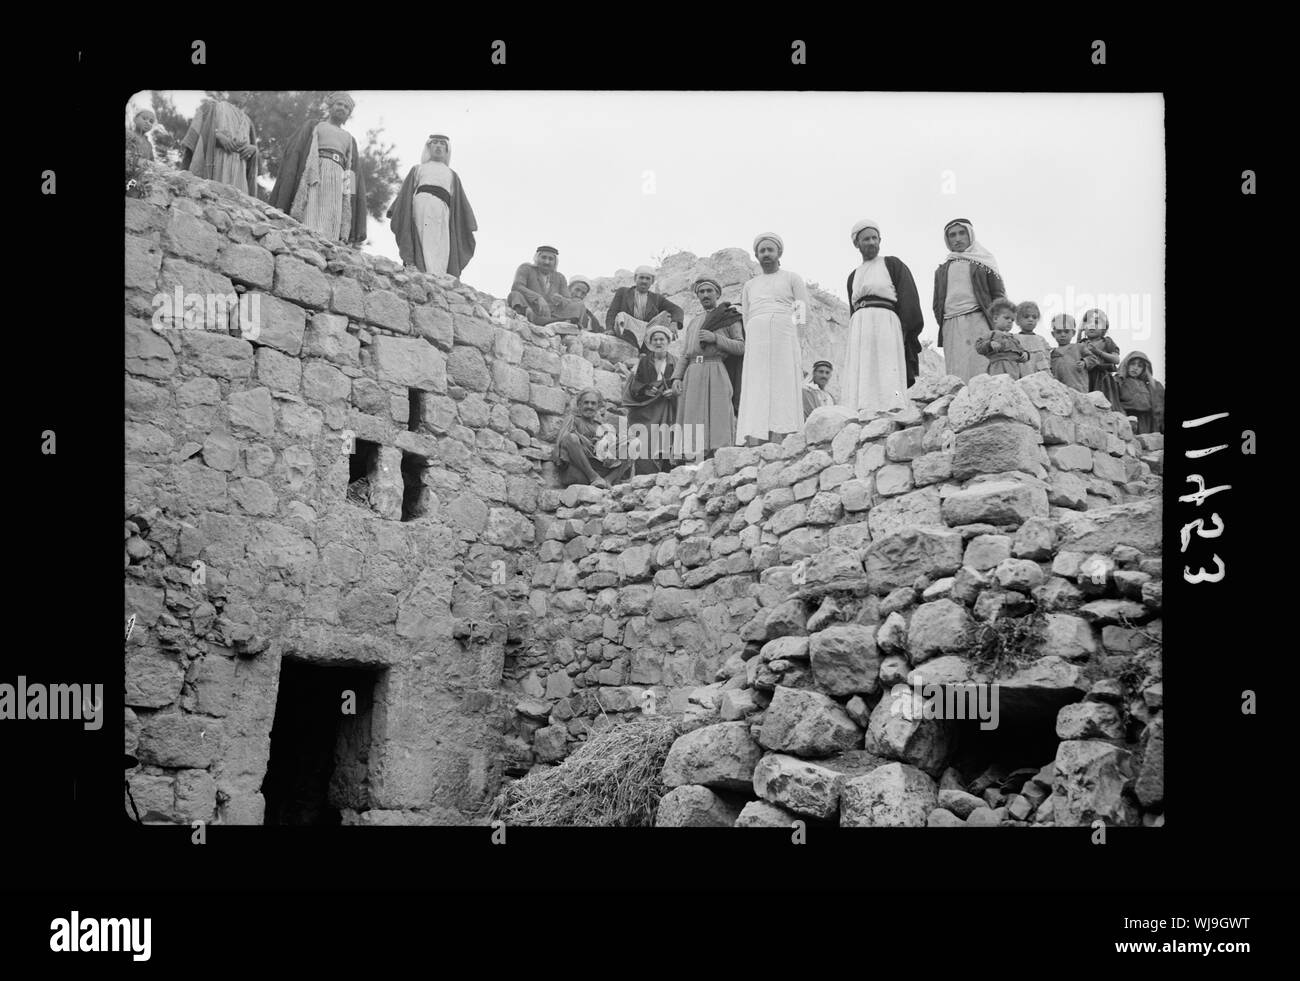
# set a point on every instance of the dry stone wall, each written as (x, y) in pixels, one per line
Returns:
(249, 540)
(777, 596)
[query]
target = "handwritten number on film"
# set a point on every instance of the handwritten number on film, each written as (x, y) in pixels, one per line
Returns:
(1198, 498)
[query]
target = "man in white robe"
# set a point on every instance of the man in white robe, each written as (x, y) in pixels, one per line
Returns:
(772, 304)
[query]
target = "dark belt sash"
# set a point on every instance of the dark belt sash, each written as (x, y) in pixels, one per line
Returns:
(438, 192)
(331, 154)
(874, 301)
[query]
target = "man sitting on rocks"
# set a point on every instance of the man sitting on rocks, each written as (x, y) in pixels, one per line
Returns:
(814, 392)
(576, 455)
(540, 292)
(579, 287)
(635, 308)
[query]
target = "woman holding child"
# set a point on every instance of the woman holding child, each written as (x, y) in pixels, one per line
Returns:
(965, 286)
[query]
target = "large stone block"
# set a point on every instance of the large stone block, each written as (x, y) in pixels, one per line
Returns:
(996, 447)
(940, 627)
(387, 309)
(411, 363)
(179, 740)
(898, 559)
(300, 282)
(996, 502)
(798, 786)
(845, 660)
(891, 796)
(1091, 777)
(902, 728)
(695, 807)
(1136, 524)
(249, 264)
(511, 381)
(807, 723)
(825, 422)
(895, 514)
(721, 756)
(281, 325)
(991, 397)
(467, 368)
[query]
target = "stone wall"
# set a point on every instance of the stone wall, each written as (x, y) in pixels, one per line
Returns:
(363, 484)
(775, 594)
(244, 547)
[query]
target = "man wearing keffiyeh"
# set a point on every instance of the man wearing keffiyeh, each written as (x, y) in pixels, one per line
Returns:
(965, 284)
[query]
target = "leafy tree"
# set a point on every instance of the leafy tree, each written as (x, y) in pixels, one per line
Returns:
(171, 128)
(379, 167)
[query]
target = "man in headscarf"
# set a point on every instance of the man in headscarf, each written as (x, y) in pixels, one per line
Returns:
(814, 390)
(634, 308)
(221, 144)
(579, 287)
(431, 217)
(773, 304)
(321, 182)
(540, 292)
(141, 123)
(575, 446)
(964, 286)
(713, 339)
(884, 346)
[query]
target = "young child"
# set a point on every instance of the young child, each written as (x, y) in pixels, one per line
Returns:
(1001, 346)
(1067, 356)
(1140, 396)
(1040, 357)
(1100, 356)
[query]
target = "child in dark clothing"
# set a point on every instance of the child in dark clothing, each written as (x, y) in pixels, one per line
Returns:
(1067, 356)
(1141, 396)
(1000, 346)
(1100, 356)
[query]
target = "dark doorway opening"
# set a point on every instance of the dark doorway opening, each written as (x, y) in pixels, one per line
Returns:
(320, 744)
(415, 496)
(1019, 741)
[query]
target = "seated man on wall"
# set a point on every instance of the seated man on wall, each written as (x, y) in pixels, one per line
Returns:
(635, 308)
(579, 287)
(576, 455)
(540, 292)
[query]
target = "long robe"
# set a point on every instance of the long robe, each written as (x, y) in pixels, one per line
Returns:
(461, 231)
(963, 323)
(772, 400)
(650, 403)
(297, 159)
(707, 395)
(907, 305)
(204, 157)
(875, 372)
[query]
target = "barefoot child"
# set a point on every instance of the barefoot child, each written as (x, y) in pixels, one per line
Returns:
(1039, 351)
(1000, 345)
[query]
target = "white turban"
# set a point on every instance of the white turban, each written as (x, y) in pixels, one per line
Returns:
(774, 238)
(575, 280)
(644, 271)
(864, 223)
(346, 97)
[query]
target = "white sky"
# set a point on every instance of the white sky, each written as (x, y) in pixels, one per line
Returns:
(1066, 190)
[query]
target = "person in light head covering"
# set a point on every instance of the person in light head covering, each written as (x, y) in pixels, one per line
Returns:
(814, 389)
(634, 308)
(431, 217)
(864, 224)
(965, 285)
(708, 373)
(883, 355)
(321, 182)
(541, 293)
(651, 400)
(772, 237)
(772, 304)
(579, 289)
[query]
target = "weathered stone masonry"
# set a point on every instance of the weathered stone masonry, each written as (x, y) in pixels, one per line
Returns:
(235, 459)
(489, 622)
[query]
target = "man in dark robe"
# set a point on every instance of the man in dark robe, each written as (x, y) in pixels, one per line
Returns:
(298, 159)
(540, 292)
(634, 307)
(459, 244)
(651, 401)
(907, 307)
